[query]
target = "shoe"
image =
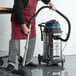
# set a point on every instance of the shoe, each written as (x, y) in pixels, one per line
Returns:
(55, 64)
(31, 65)
(10, 67)
(19, 72)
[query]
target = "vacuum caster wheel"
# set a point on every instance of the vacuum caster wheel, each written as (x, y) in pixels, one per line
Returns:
(39, 58)
(62, 63)
(1, 62)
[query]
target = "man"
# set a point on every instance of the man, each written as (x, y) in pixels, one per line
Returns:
(23, 10)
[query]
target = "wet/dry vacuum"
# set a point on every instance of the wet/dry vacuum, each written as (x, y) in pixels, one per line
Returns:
(51, 35)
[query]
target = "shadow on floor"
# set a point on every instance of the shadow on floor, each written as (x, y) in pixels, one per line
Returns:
(41, 70)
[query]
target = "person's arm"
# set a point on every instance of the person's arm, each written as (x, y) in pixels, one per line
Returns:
(18, 10)
(50, 3)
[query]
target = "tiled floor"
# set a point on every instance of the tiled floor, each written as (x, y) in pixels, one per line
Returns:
(69, 69)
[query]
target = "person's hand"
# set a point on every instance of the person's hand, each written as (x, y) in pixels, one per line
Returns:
(25, 29)
(53, 7)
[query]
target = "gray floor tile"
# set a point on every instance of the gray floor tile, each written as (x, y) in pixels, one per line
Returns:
(69, 69)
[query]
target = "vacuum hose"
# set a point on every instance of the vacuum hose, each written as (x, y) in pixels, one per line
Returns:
(68, 22)
(69, 26)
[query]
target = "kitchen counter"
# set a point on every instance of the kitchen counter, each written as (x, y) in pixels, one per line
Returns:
(5, 10)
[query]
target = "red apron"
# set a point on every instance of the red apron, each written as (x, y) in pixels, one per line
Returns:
(28, 12)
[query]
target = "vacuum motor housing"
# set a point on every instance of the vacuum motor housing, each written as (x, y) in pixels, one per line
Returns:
(53, 26)
(52, 47)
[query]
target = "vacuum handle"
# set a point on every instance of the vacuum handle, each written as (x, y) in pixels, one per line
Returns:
(68, 22)
(41, 25)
